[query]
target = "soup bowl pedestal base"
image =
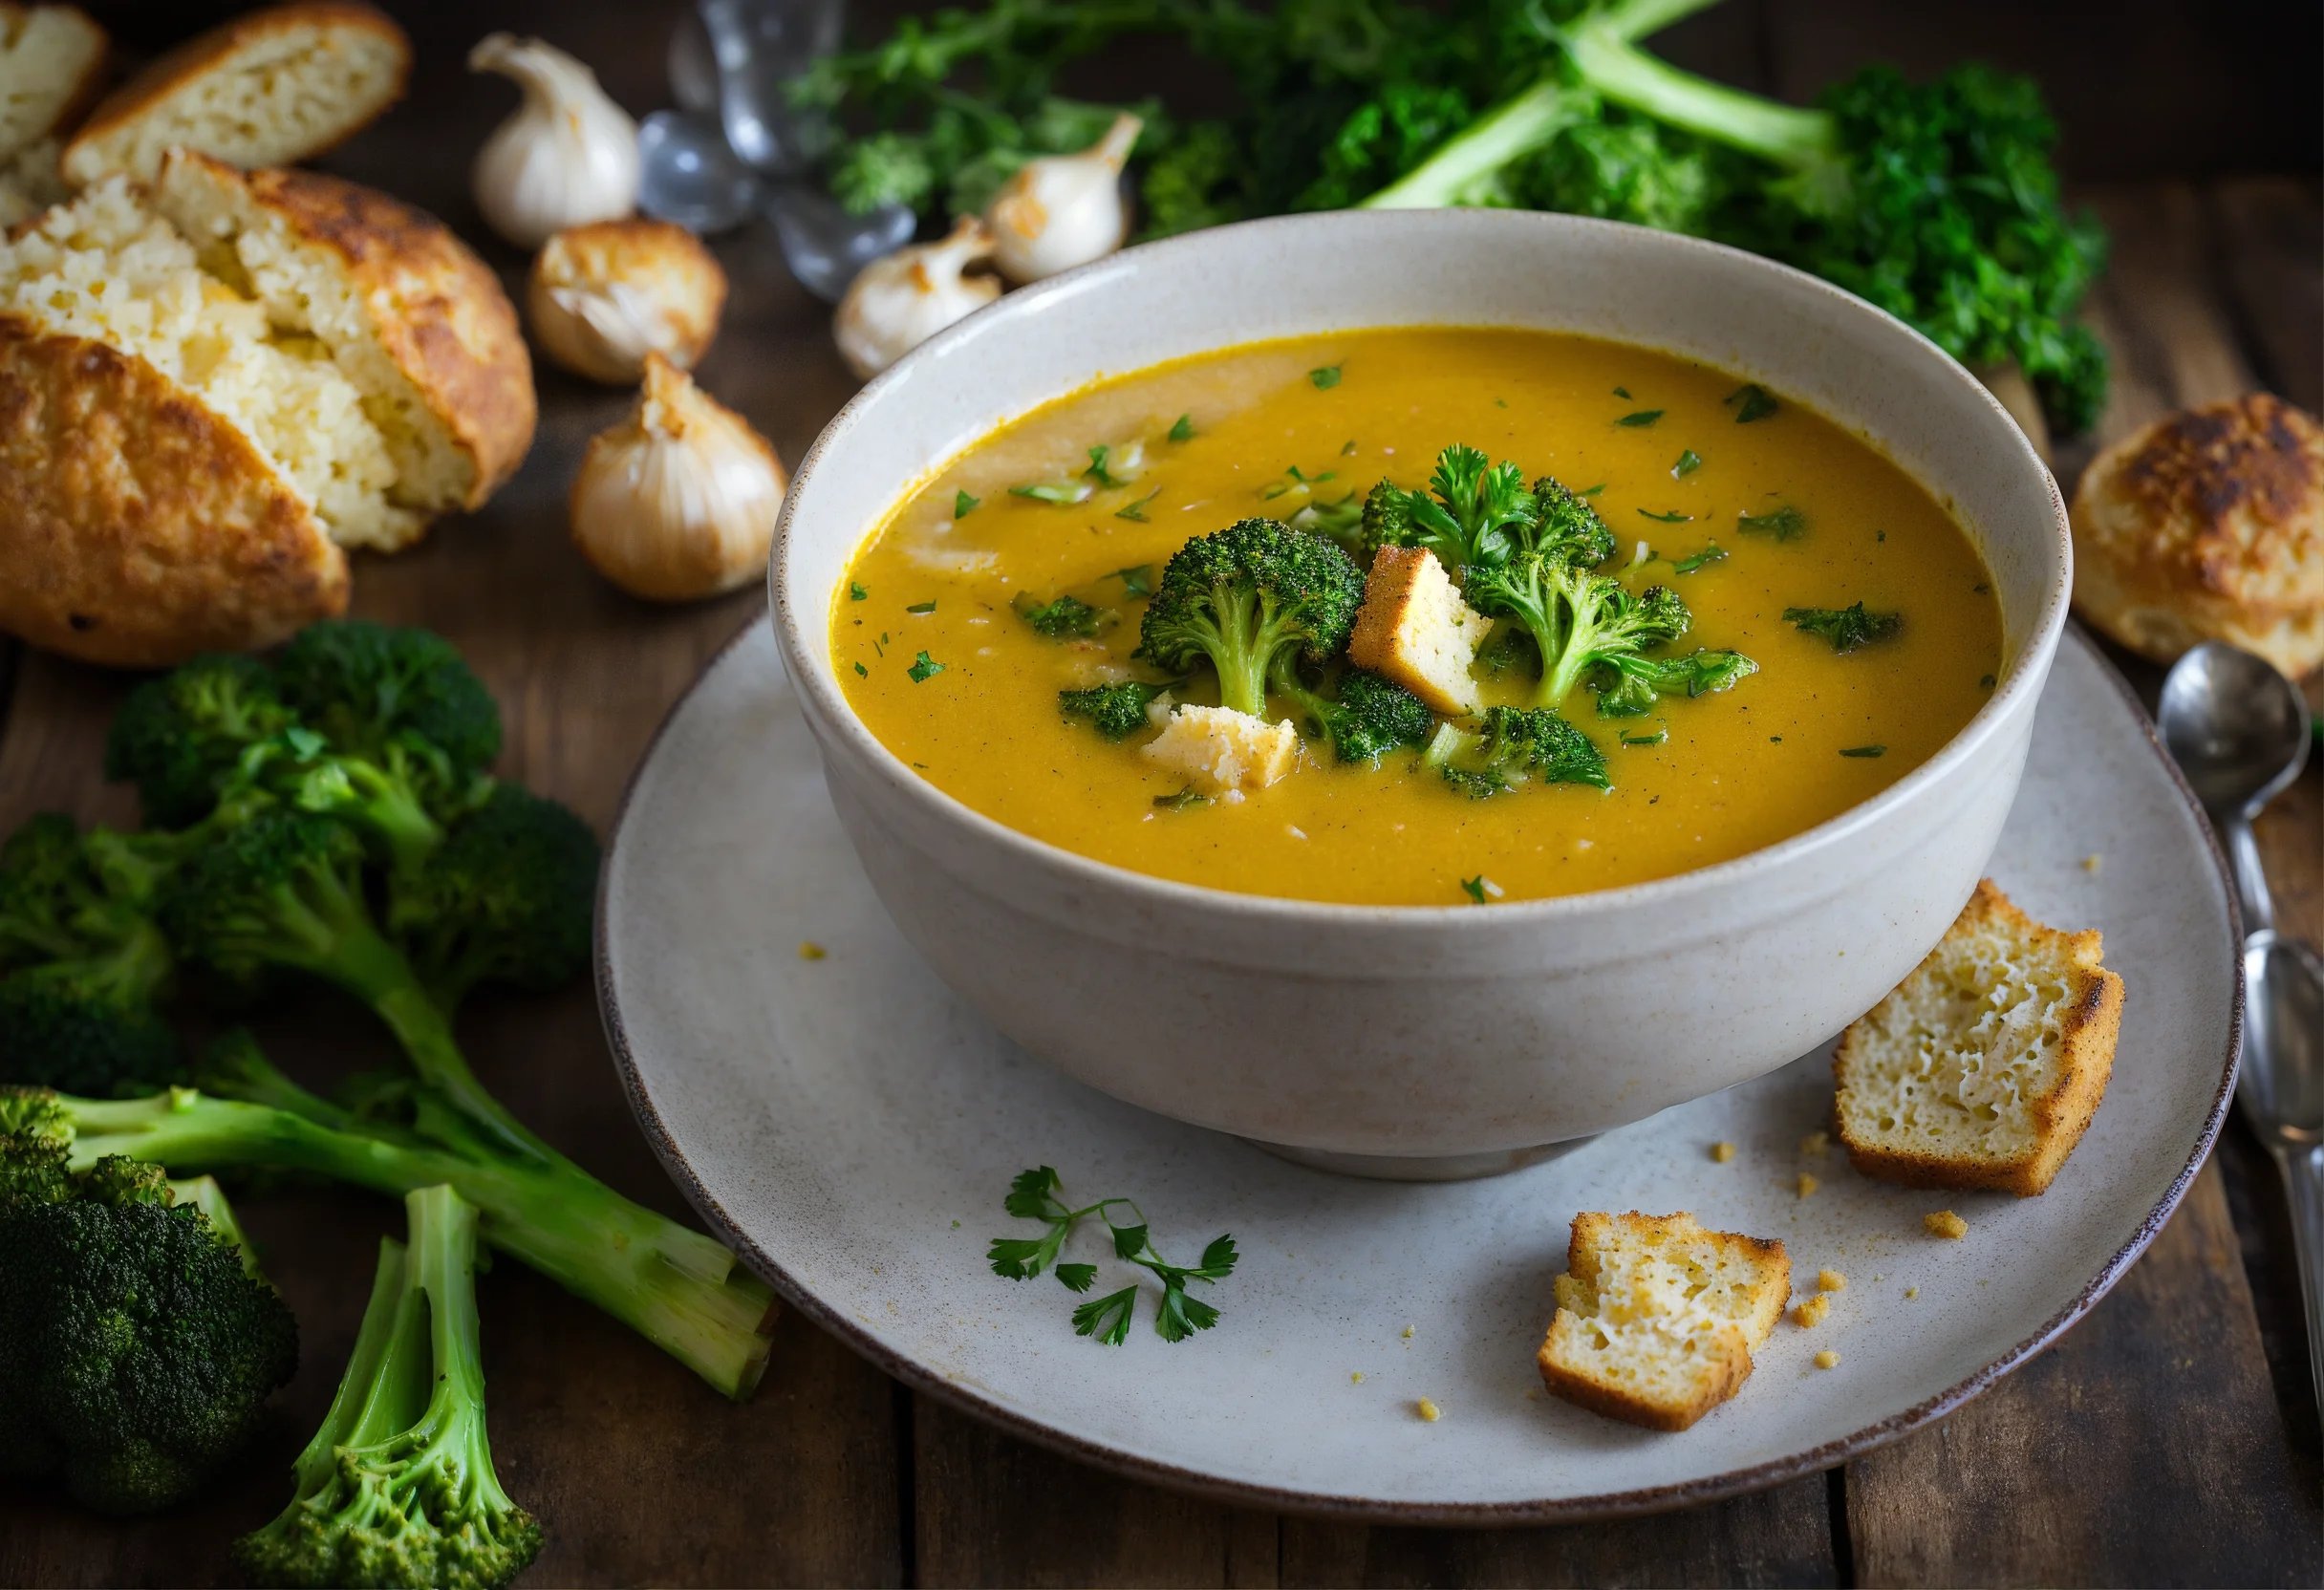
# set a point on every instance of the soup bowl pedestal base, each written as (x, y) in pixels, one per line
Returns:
(1499, 1162)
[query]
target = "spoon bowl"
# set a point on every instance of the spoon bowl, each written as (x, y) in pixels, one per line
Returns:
(2236, 727)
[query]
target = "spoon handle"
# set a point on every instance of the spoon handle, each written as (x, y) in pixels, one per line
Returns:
(2304, 1184)
(2251, 876)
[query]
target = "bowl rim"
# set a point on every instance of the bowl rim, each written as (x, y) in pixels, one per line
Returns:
(826, 706)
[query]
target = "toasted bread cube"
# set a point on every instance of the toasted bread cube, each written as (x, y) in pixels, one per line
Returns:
(1219, 750)
(1984, 1066)
(1414, 629)
(1657, 1317)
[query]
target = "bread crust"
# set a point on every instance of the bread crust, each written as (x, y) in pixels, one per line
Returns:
(2089, 1030)
(137, 526)
(2208, 524)
(437, 309)
(207, 51)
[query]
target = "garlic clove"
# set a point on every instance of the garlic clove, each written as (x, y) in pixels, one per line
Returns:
(900, 301)
(603, 296)
(1064, 210)
(678, 501)
(566, 156)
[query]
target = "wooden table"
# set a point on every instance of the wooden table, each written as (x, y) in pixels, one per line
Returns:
(2169, 1437)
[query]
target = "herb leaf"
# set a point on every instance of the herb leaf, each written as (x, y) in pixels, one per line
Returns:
(1097, 473)
(1182, 800)
(857, 593)
(963, 504)
(1666, 518)
(1688, 461)
(1033, 1196)
(921, 606)
(1077, 1278)
(924, 668)
(1136, 511)
(1325, 378)
(1642, 417)
(1475, 888)
(1845, 628)
(1750, 402)
(1785, 524)
(1066, 617)
(1699, 561)
(1108, 1317)
(1866, 751)
(1137, 580)
(1064, 493)
(1184, 429)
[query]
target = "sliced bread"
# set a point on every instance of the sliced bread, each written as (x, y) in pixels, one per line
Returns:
(1657, 1317)
(1984, 1066)
(51, 65)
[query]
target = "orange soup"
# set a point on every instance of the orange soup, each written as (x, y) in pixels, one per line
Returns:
(1853, 620)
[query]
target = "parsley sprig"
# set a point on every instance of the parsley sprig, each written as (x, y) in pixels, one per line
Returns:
(1034, 1195)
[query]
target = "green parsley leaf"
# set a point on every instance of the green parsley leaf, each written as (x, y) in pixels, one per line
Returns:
(1325, 378)
(1985, 681)
(1137, 580)
(1698, 561)
(1182, 800)
(1622, 392)
(1688, 461)
(1642, 417)
(1845, 628)
(924, 668)
(1064, 493)
(1077, 1278)
(1108, 1317)
(861, 672)
(921, 606)
(1785, 524)
(1475, 888)
(1866, 751)
(1666, 518)
(1034, 1195)
(1097, 474)
(963, 504)
(1591, 490)
(1136, 511)
(1750, 402)
(1184, 429)
(857, 593)
(1655, 739)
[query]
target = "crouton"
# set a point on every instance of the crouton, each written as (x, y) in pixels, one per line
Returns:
(1219, 750)
(1414, 629)
(1657, 1317)
(1983, 1067)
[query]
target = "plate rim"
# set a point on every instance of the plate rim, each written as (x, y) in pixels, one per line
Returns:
(1354, 1509)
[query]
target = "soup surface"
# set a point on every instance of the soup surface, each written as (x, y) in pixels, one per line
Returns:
(942, 667)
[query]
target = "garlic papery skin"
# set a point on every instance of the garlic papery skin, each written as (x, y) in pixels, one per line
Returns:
(896, 303)
(1064, 210)
(603, 296)
(567, 155)
(678, 501)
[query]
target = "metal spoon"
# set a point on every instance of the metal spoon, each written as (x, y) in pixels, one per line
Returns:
(2240, 732)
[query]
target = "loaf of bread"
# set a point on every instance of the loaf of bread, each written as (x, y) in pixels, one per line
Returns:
(1657, 1317)
(274, 85)
(2208, 524)
(195, 419)
(52, 67)
(1982, 1068)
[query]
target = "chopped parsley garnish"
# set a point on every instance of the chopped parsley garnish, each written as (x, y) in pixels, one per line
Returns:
(1985, 681)
(1136, 511)
(1324, 378)
(1097, 473)
(1477, 887)
(1348, 449)
(924, 668)
(1666, 518)
(1866, 751)
(1655, 739)
(1591, 490)
(861, 672)
(1184, 429)
(1785, 524)
(857, 593)
(1750, 402)
(921, 606)
(1064, 492)
(1644, 416)
(1137, 580)
(1033, 1196)
(963, 504)
(1622, 392)
(1688, 461)
(1068, 618)
(1182, 800)
(1845, 628)
(1695, 562)
(1296, 479)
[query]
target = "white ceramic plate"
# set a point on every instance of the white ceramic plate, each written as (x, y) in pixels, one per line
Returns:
(851, 1126)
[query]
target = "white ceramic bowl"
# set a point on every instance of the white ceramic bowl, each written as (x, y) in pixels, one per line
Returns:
(1425, 1041)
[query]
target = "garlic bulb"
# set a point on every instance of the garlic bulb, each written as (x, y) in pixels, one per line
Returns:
(678, 501)
(603, 296)
(1064, 210)
(896, 303)
(567, 155)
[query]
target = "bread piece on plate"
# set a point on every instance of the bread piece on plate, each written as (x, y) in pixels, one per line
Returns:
(410, 315)
(2208, 524)
(52, 66)
(1984, 1066)
(1657, 1317)
(275, 85)
(1221, 751)
(1414, 629)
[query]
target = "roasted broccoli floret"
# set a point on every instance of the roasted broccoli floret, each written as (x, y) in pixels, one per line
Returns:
(180, 737)
(403, 698)
(1064, 618)
(137, 1351)
(1367, 716)
(1249, 600)
(680, 1289)
(1515, 746)
(509, 898)
(1117, 710)
(397, 1488)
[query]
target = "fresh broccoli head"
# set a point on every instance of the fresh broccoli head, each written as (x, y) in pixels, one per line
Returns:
(395, 697)
(397, 1488)
(136, 1352)
(1117, 710)
(180, 737)
(1367, 717)
(1065, 619)
(1515, 746)
(509, 898)
(1249, 600)
(1628, 683)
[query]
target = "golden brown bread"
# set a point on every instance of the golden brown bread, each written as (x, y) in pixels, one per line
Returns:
(274, 85)
(52, 68)
(2208, 524)
(137, 526)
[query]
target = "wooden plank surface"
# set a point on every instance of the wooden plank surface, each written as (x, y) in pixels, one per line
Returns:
(2168, 1438)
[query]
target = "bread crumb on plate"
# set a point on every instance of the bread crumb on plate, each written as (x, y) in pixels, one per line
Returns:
(1722, 1152)
(1427, 1410)
(1831, 1280)
(1944, 1223)
(1827, 1359)
(1808, 1185)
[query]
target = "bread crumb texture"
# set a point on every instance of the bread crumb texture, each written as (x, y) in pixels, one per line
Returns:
(1832, 1280)
(810, 949)
(1827, 1359)
(1812, 1310)
(1657, 1317)
(1722, 1152)
(1414, 629)
(1219, 750)
(1808, 1185)
(1984, 1066)
(1427, 1410)
(1816, 1145)
(1944, 1223)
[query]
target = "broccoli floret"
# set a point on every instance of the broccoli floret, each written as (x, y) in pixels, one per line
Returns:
(1565, 526)
(1515, 745)
(1629, 684)
(678, 1288)
(397, 1488)
(1844, 629)
(1117, 710)
(1067, 618)
(510, 898)
(1474, 511)
(1250, 599)
(1367, 717)
(180, 737)
(403, 698)
(137, 1351)
(46, 888)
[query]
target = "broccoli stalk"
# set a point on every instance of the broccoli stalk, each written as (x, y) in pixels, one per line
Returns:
(678, 1288)
(1250, 599)
(397, 1487)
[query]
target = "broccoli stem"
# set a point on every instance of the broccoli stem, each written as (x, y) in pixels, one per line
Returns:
(675, 1287)
(1783, 135)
